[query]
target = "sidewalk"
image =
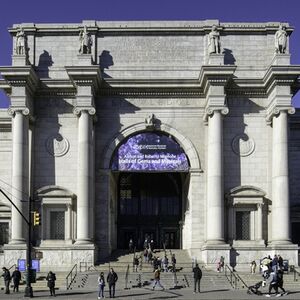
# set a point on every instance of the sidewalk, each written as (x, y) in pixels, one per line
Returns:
(148, 293)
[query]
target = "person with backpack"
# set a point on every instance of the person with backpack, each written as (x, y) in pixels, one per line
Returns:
(101, 283)
(157, 279)
(197, 277)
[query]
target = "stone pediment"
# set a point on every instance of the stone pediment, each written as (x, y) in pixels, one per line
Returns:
(246, 194)
(52, 194)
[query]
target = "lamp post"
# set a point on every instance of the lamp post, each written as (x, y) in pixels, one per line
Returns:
(28, 289)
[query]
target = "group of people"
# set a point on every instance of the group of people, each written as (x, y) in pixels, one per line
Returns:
(16, 277)
(111, 279)
(272, 272)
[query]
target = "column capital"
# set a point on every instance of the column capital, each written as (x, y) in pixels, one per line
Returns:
(275, 111)
(79, 109)
(12, 110)
(210, 110)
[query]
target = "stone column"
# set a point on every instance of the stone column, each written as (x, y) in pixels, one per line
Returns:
(215, 194)
(280, 178)
(20, 171)
(259, 236)
(84, 173)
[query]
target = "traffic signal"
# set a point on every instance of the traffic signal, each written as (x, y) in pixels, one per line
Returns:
(36, 218)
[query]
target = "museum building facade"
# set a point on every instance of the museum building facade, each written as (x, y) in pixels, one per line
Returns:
(180, 131)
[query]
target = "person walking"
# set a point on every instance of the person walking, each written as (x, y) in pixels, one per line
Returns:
(112, 278)
(165, 263)
(51, 282)
(7, 278)
(136, 263)
(273, 284)
(173, 260)
(253, 267)
(16, 277)
(280, 281)
(157, 279)
(197, 278)
(101, 283)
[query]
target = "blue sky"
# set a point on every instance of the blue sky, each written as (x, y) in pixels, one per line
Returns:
(71, 11)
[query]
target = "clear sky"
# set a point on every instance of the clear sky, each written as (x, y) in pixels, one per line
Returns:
(74, 11)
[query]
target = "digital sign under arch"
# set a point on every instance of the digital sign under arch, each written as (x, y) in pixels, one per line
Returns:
(150, 151)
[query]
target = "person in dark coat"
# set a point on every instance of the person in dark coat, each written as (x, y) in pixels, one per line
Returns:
(7, 278)
(51, 283)
(16, 277)
(112, 278)
(197, 277)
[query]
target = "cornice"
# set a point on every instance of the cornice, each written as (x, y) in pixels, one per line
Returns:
(20, 76)
(85, 76)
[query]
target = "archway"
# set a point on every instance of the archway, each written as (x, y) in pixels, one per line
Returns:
(150, 167)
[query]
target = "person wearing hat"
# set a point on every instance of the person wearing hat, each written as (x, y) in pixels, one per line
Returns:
(7, 278)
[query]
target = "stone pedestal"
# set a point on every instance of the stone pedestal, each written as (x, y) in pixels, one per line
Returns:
(84, 59)
(281, 59)
(19, 60)
(216, 59)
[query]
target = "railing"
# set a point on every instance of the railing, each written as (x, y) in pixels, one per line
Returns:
(126, 278)
(296, 274)
(71, 276)
(234, 278)
(14, 265)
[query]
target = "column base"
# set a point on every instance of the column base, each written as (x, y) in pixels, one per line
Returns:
(83, 242)
(17, 242)
(280, 242)
(215, 242)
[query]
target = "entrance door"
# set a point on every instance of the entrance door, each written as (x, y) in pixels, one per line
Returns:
(150, 203)
(170, 239)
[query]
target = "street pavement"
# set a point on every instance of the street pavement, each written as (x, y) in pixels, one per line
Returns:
(148, 293)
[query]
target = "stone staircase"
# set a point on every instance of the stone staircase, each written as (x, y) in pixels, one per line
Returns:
(121, 261)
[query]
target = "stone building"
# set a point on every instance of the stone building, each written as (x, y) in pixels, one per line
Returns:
(182, 132)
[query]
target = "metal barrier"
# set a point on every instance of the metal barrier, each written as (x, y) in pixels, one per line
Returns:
(126, 278)
(71, 277)
(296, 274)
(234, 278)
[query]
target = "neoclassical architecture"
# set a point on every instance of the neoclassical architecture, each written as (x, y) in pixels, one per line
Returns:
(182, 132)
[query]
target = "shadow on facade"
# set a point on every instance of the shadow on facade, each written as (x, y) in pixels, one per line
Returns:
(105, 61)
(228, 57)
(45, 61)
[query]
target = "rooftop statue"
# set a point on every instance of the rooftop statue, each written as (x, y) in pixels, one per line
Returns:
(86, 41)
(214, 45)
(280, 39)
(20, 42)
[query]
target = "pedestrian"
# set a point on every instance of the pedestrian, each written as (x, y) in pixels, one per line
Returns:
(253, 266)
(7, 278)
(16, 277)
(272, 283)
(220, 266)
(157, 279)
(130, 245)
(165, 263)
(280, 281)
(150, 256)
(173, 260)
(152, 245)
(274, 263)
(51, 282)
(135, 263)
(197, 277)
(101, 283)
(280, 262)
(111, 279)
(145, 253)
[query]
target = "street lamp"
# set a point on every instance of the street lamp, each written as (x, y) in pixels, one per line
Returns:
(28, 289)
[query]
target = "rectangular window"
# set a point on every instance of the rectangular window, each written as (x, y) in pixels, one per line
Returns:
(57, 225)
(243, 225)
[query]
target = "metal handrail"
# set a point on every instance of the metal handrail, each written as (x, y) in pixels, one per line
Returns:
(126, 278)
(14, 265)
(295, 274)
(233, 278)
(71, 276)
